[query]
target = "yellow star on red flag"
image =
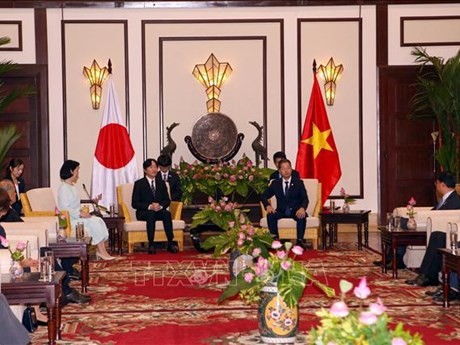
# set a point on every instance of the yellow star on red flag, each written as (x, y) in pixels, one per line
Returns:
(318, 140)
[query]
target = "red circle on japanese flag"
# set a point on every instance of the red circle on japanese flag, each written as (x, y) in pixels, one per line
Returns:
(114, 149)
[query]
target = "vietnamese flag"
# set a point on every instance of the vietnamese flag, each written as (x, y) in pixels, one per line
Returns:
(317, 156)
(114, 159)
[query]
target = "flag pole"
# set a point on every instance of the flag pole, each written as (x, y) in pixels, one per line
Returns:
(109, 66)
(314, 66)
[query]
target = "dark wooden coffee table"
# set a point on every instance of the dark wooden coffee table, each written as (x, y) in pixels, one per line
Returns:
(29, 290)
(394, 238)
(116, 227)
(450, 262)
(72, 248)
(330, 220)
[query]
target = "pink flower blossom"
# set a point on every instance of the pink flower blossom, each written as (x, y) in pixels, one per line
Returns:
(210, 199)
(251, 231)
(412, 201)
(241, 236)
(232, 178)
(297, 250)
(281, 254)
(239, 243)
(286, 265)
(362, 291)
(248, 277)
(339, 309)
(256, 252)
(21, 245)
(228, 208)
(251, 178)
(231, 224)
(276, 244)
(377, 308)
(218, 208)
(368, 318)
(398, 341)
(5, 243)
(261, 266)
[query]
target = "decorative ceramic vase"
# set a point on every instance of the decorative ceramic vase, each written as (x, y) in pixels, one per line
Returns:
(278, 323)
(16, 270)
(411, 223)
(346, 207)
(238, 262)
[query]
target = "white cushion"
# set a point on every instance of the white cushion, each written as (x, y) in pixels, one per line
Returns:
(51, 223)
(41, 199)
(312, 222)
(140, 225)
(38, 229)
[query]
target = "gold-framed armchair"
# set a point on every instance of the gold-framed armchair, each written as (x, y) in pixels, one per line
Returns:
(135, 230)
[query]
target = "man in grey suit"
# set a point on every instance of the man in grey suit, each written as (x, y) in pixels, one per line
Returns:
(291, 201)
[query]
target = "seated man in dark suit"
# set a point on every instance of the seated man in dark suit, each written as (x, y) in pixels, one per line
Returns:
(151, 200)
(277, 157)
(431, 264)
(175, 188)
(291, 201)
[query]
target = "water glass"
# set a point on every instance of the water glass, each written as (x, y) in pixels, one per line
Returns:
(332, 206)
(112, 210)
(47, 266)
(390, 220)
(397, 223)
(79, 231)
(453, 240)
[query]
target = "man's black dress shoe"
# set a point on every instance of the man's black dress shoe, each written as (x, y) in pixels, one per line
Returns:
(151, 249)
(76, 297)
(451, 296)
(432, 293)
(422, 280)
(378, 263)
(171, 248)
(300, 244)
(42, 323)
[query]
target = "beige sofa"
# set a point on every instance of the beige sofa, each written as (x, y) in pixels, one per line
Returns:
(427, 220)
(287, 227)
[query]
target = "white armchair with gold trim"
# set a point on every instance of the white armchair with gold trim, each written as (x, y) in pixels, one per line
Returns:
(135, 230)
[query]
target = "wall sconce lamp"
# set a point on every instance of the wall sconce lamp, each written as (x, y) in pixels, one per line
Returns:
(331, 73)
(96, 77)
(212, 75)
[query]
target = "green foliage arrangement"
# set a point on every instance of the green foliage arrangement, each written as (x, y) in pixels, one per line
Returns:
(342, 326)
(225, 178)
(281, 269)
(438, 97)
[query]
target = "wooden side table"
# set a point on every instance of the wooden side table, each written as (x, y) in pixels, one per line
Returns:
(28, 289)
(450, 262)
(116, 227)
(72, 248)
(330, 220)
(395, 238)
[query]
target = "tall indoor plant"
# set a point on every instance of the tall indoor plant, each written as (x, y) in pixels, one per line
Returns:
(438, 96)
(8, 134)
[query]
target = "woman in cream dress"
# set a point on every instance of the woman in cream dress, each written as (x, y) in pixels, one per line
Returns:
(69, 199)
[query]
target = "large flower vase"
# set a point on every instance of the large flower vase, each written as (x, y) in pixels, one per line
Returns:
(16, 270)
(238, 262)
(411, 223)
(278, 323)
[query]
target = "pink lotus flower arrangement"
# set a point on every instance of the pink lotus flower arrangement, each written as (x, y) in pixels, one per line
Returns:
(410, 207)
(18, 254)
(341, 325)
(281, 269)
(346, 197)
(227, 178)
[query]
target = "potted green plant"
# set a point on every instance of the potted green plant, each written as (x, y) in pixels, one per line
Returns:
(276, 283)
(438, 97)
(9, 134)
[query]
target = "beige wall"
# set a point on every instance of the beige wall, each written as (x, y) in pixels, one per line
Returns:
(334, 32)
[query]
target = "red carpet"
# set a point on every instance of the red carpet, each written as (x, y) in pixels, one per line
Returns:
(171, 299)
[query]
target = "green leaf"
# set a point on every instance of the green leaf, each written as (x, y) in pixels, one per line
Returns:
(345, 286)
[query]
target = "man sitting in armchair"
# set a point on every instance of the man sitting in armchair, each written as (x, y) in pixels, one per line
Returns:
(431, 264)
(291, 201)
